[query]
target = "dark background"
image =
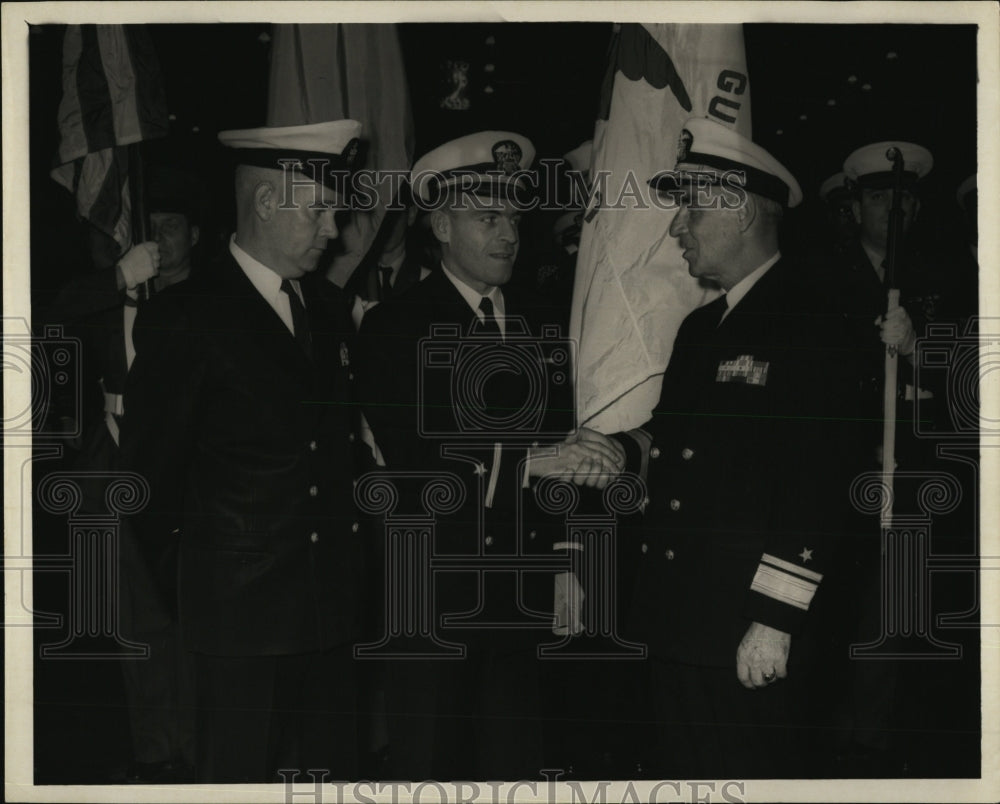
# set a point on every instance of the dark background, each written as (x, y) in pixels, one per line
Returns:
(545, 84)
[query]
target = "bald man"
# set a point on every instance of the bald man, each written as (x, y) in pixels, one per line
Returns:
(239, 418)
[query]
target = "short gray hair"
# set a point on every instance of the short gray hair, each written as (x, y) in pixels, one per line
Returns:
(769, 210)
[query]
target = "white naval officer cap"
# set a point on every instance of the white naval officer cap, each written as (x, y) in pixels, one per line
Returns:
(870, 166)
(709, 150)
(326, 152)
(487, 163)
(834, 186)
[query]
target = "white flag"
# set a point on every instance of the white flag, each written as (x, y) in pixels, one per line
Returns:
(632, 288)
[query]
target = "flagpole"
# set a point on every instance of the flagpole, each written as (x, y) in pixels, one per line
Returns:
(137, 196)
(891, 351)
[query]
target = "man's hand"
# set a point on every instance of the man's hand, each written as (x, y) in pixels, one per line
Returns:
(140, 264)
(591, 458)
(567, 604)
(608, 446)
(896, 329)
(762, 656)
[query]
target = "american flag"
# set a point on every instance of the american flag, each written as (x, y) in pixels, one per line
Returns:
(112, 98)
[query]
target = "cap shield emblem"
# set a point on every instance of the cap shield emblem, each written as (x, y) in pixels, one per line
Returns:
(507, 155)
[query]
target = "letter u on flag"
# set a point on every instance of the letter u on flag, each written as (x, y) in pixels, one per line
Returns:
(112, 97)
(632, 287)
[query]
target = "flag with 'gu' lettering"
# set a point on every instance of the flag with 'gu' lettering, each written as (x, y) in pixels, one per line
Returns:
(112, 97)
(632, 288)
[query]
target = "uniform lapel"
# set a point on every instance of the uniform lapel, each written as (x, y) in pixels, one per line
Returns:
(327, 338)
(255, 316)
(449, 306)
(757, 303)
(408, 276)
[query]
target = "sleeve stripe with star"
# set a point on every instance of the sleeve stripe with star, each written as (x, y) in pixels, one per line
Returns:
(785, 582)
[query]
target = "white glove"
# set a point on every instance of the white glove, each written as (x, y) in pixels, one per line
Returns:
(896, 329)
(567, 604)
(140, 264)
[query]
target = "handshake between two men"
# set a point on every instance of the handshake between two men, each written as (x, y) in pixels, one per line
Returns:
(587, 457)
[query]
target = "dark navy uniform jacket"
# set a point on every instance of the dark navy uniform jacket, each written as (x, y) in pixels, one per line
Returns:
(442, 414)
(247, 443)
(933, 292)
(745, 492)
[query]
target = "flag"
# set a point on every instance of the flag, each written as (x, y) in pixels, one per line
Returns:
(330, 72)
(112, 98)
(632, 288)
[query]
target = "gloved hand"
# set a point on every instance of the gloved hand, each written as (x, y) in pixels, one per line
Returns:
(896, 329)
(567, 604)
(140, 264)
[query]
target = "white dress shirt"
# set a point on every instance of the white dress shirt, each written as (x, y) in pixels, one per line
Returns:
(267, 282)
(736, 293)
(473, 297)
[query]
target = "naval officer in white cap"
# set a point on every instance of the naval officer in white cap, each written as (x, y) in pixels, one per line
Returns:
(478, 716)
(240, 418)
(932, 288)
(870, 171)
(736, 534)
(856, 286)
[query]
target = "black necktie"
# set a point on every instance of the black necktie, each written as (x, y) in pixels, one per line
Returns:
(385, 287)
(489, 324)
(300, 321)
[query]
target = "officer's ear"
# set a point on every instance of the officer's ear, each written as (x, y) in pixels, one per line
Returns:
(195, 234)
(856, 211)
(747, 212)
(441, 226)
(265, 200)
